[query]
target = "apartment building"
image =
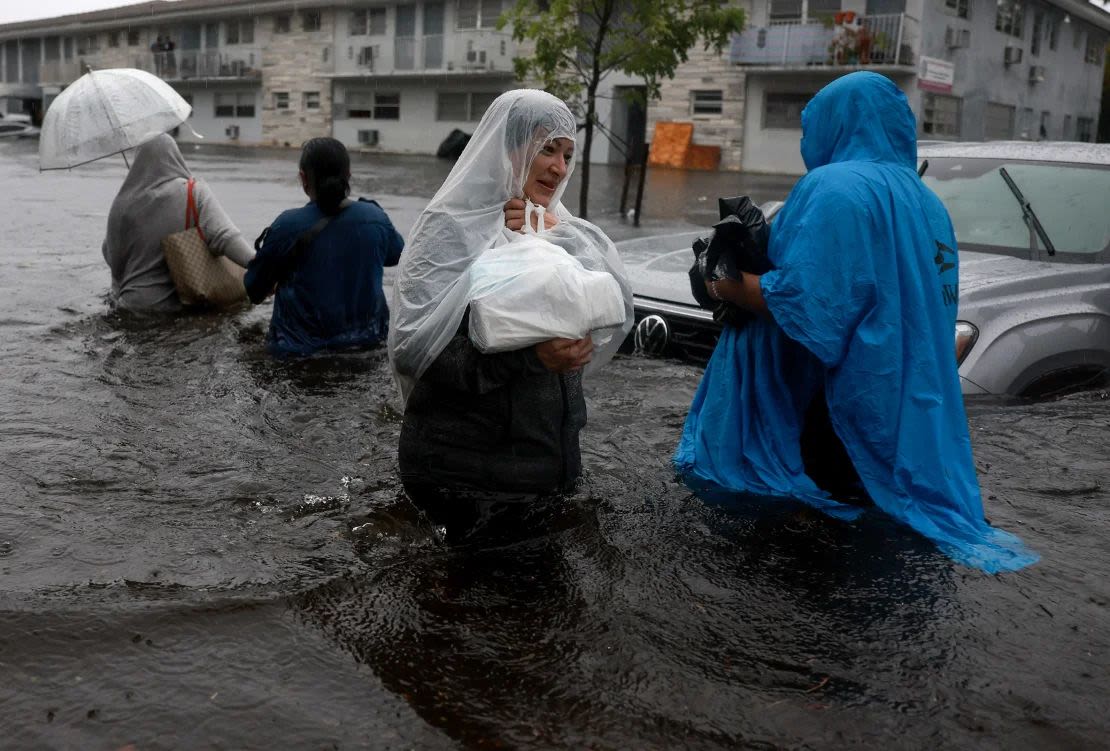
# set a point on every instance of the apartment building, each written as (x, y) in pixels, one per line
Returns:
(395, 76)
(972, 70)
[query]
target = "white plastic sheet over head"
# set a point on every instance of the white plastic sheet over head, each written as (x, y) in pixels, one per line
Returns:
(105, 112)
(466, 217)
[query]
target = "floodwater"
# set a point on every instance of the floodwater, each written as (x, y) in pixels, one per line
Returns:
(203, 548)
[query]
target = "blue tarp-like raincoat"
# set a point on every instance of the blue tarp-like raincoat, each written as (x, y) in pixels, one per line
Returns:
(863, 302)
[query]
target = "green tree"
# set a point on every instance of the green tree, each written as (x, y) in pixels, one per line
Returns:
(579, 42)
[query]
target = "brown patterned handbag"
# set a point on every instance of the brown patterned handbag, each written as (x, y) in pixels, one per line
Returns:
(201, 278)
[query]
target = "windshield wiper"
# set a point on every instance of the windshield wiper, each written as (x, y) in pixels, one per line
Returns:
(1027, 212)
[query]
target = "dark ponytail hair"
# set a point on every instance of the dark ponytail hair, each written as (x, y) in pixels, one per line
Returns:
(326, 166)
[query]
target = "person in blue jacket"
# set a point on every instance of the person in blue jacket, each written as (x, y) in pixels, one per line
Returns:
(859, 310)
(325, 260)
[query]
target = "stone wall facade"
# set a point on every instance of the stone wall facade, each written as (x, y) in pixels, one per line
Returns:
(295, 63)
(705, 70)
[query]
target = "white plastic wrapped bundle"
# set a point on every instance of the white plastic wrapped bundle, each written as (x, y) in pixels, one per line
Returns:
(530, 291)
(466, 219)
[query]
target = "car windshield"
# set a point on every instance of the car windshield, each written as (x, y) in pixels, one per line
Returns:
(1069, 199)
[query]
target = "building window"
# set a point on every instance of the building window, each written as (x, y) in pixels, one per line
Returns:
(211, 35)
(369, 104)
(1011, 17)
(240, 31)
(113, 39)
(87, 44)
(230, 104)
(387, 107)
(998, 122)
(784, 109)
(1094, 52)
(706, 102)
(458, 106)
(133, 38)
(957, 8)
(1084, 129)
(282, 23)
(478, 14)
(311, 20)
(367, 21)
(1042, 132)
(244, 104)
(225, 105)
(281, 100)
(1038, 30)
(786, 11)
(452, 105)
(941, 116)
(312, 100)
(1065, 134)
(1051, 30)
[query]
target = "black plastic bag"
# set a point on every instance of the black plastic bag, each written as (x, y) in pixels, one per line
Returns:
(452, 146)
(738, 244)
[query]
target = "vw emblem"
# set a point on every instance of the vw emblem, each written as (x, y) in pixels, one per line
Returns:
(652, 335)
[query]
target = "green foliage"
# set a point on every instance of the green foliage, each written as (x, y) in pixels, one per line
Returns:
(577, 42)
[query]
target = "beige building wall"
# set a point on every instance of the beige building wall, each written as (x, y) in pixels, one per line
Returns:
(295, 63)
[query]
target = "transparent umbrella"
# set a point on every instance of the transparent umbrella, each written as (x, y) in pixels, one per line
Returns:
(106, 112)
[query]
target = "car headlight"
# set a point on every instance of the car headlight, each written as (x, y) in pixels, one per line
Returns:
(966, 334)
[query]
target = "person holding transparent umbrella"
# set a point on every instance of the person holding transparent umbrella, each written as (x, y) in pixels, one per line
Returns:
(150, 205)
(110, 112)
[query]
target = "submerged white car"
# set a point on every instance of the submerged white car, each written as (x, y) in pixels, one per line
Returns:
(1033, 225)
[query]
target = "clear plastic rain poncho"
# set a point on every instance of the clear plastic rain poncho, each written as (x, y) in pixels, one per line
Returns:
(466, 218)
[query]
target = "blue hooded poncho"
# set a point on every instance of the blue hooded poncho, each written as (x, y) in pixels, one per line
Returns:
(863, 303)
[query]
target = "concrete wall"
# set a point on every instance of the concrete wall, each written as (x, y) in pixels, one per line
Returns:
(417, 131)
(1070, 87)
(214, 129)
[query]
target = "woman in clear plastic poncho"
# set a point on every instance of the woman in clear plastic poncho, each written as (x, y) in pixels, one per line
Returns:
(509, 421)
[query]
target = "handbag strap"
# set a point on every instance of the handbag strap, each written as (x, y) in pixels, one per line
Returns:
(192, 215)
(305, 240)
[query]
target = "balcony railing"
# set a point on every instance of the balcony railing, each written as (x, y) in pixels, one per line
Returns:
(186, 64)
(464, 51)
(889, 39)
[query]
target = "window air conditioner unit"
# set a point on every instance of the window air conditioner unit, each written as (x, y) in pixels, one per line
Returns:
(232, 131)
(1012, 56)
(1036, 73)
(368, 138)
(957, 38)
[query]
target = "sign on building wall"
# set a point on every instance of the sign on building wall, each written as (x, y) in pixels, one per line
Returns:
(935, 74)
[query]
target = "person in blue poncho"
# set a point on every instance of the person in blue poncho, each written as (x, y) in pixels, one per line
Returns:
(859, 310)
(326, 261)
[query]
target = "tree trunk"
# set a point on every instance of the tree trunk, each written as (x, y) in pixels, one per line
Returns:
(584, 194)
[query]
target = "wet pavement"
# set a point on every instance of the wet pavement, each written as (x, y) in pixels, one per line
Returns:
(203, 548)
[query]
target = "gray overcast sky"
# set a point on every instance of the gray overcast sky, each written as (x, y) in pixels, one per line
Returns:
(25, 10)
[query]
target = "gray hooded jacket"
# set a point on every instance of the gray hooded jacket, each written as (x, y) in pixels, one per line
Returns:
(149, 206)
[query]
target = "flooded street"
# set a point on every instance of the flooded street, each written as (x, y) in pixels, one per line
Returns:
(201, 547)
